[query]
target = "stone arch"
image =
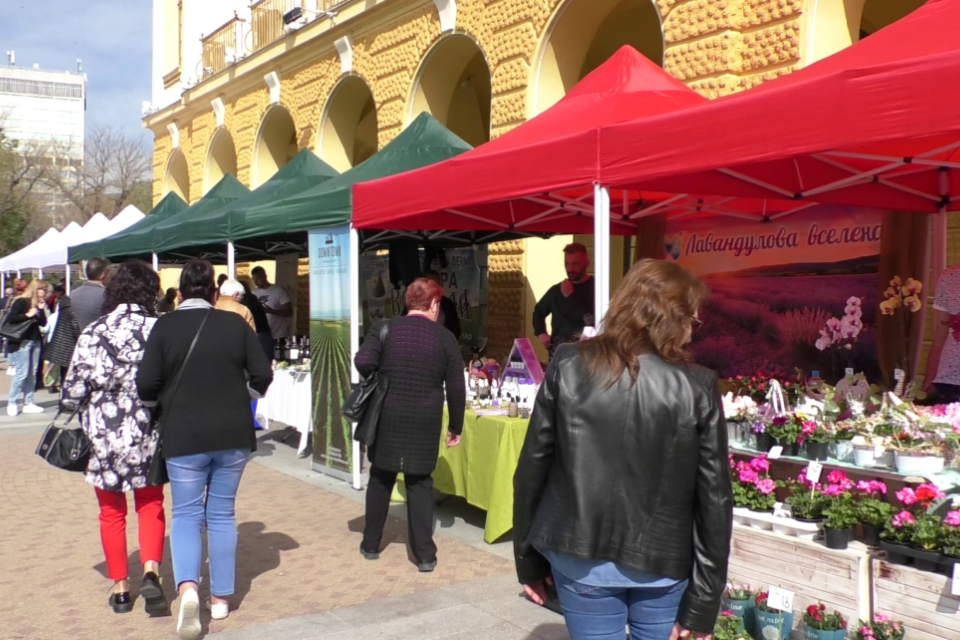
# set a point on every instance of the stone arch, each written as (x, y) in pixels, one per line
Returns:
(177, 176)
(348, 132)
(582, 35)
(221, 158)
(275, 146)
(453, 85)
(833, 25)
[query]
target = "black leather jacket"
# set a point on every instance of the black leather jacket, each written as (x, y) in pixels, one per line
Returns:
(636, 474)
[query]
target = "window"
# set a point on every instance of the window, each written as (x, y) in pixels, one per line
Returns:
(41, 88)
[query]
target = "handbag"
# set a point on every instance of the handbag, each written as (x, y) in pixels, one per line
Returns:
(14, 331)
(67, 449)
(157, 473)
(366, 400)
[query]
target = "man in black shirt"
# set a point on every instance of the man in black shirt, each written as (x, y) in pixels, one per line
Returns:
(570, 303)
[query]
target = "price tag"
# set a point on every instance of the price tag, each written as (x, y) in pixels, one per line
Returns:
(899, 375)
(814, 469)
(775, 452)
(955, 583)
(780, 599)
(849, 372)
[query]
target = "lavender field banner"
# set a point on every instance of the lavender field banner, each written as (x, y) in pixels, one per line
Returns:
(330, 348)
(774, 287)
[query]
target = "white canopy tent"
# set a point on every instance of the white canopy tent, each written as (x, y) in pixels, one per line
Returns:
(13, 261)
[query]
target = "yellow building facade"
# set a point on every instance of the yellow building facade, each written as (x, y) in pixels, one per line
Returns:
(238, 91)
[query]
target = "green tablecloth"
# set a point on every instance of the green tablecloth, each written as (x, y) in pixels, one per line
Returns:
(481, 469)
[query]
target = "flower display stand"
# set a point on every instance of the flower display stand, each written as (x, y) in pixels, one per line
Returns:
(839, 579)
(920, 599)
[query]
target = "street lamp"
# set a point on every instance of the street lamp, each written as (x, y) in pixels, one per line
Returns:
(296, 14)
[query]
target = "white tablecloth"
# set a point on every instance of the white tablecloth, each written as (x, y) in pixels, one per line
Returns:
(289, 400)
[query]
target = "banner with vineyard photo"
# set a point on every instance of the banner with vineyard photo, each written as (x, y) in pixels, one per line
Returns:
(801, 291)
(330, 347)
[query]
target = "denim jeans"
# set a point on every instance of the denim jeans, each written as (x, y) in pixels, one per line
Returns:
(25, 360)
(204, 490)
(603, 613)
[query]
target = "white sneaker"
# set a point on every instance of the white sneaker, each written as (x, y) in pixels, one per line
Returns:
(188, 624)
(218, 610)
(32, 408)
(12, 409)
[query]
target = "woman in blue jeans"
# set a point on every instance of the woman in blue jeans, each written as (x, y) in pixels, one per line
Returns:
(622, 494)
(197, 364)
(29, 308)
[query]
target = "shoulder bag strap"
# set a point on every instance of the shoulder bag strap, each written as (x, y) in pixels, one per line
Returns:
(183, 364)
(384, 331)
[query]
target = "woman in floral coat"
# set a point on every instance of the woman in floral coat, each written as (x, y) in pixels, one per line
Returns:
(101, 383)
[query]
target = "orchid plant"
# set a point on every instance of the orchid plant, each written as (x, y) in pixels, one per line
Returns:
(901, 299)
(842, 333)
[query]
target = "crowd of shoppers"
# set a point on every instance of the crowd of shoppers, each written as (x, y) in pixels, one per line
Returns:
(29, 309)
(622, 497)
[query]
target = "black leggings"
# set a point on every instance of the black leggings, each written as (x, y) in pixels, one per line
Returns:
(419, 512)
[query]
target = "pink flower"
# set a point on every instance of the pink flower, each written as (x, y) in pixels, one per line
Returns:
(952, 519)
(872, 487)
(760, 464)
(837, 477)
(726, 612)
(809, 428)
(766, 486)
(899, 521)
(881, 618)
(907, 496)
(748, 476)
(833, 490)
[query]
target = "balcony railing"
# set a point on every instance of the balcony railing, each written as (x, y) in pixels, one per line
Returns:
(267, 20)
(224, 46)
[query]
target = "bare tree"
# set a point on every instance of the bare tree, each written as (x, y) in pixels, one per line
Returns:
(116, 172)
(23, 172)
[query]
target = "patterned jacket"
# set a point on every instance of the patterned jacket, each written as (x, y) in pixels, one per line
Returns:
(103, 381)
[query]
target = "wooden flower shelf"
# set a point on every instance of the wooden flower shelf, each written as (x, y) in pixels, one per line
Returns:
(920, 599)
(839, 579)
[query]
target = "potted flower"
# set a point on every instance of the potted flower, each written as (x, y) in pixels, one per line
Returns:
(754, 488)
(738, 601)
(896, 536)
(763, 439)
(818, 624)
(785, 430)
(880, 628)
(816, 436)
(872, 511)
(926, 540)
(951, 542)
(730, 627)
(920, 451)
(806, 499)
(841, 518)
(904, 296)
(843, 435)
(771, 624)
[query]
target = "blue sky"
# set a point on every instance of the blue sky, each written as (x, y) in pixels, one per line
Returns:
(112, 37)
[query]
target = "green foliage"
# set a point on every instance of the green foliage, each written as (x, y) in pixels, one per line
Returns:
(730, 627)
(873, 512)
(927, 533)
(841, 514)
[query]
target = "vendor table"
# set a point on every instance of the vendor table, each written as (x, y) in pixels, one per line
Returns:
(289, 400)
(481, 468)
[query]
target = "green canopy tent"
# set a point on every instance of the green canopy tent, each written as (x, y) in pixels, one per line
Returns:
(143, 241)
(280, 227)
(212, 226)
(169, 206)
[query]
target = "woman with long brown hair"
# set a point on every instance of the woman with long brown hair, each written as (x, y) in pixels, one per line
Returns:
(29, 307)
(622, 494)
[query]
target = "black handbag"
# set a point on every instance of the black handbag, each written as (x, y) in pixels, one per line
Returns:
(157, 473)
(14, 331)
(366, 400)
(67, 449)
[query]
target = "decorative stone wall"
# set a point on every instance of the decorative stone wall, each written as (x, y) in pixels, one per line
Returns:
(506, 304)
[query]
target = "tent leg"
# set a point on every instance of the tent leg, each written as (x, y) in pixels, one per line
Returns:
(3, 281)
(156, 262)
(18, 274)
(40, 272)
(66, 278)
(601, 253)
(355, 335)
(231, 260)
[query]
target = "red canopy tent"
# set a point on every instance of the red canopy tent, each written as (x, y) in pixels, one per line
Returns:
(877, 124)
(537, 178)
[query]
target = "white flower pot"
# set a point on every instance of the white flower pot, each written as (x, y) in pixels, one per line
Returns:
(919, 465)
(741, 515)
(888, 459)
(863, 456)
(844, 451)
(762, 521)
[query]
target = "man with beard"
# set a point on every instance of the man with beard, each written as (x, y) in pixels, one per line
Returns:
(570, 303)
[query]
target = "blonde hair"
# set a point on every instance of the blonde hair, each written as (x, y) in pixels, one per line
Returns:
(30, 293)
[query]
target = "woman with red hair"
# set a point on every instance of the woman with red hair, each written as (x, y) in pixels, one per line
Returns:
(419, 358)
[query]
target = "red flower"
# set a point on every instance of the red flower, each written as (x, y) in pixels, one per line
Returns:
(812, 610)
(926, 493)
(823, 607)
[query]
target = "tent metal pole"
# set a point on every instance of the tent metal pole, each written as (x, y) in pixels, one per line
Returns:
(18, 274)
(3, 281)
(601, 253)
(231, 260)
(66, 278)
(156, 262)
(355, 335)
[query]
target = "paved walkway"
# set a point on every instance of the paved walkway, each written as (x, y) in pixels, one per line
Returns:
(299, 573)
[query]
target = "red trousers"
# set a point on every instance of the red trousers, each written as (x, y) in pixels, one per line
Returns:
(151, 525)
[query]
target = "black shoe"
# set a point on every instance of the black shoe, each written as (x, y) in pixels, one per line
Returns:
(369, 555)
(154, 602)
(427, 567)
(121, 602)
